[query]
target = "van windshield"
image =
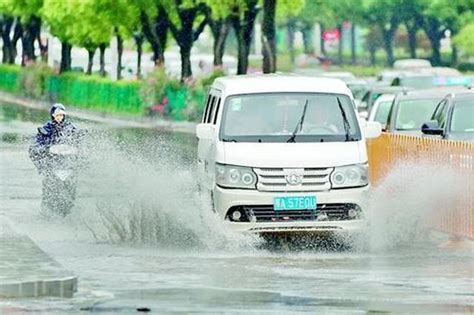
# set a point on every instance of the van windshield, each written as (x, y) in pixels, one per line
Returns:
(289, 117)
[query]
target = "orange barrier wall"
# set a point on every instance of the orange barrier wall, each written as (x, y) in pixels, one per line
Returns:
(389, 150)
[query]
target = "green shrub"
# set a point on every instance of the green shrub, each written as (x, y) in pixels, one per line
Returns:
(10, 78)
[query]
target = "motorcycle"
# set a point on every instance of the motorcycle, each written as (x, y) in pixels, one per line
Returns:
(60, 171)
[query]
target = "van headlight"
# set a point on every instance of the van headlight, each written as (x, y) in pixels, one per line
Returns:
(350, 176)
(232, 176)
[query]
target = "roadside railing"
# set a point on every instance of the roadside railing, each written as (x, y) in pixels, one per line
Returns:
(456, 158)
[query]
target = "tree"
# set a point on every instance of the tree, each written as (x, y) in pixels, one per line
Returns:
(154, 26)
(187, 19)
(26, 12)
(61, 20)
(385, 15)
(465, 39)
(219, 23)
(6, 26)
(286, 14)
(268, 36)
(443, 15)
(241, 15)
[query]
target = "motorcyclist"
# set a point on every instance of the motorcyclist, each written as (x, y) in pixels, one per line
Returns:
(58, 130)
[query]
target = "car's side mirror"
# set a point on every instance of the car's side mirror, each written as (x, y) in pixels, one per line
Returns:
(372, 129)
(431, 128)
(205, 131)
(384, 127)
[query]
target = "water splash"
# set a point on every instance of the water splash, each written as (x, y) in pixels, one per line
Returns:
(403, 206)
(145, 191)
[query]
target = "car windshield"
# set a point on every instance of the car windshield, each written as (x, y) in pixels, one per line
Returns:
(463, 116)
(289, 117)
(381, 115)
(413, 113)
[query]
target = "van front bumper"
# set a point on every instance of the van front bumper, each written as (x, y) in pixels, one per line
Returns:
(227, 199)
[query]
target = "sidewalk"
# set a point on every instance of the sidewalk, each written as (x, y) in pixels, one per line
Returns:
(27, 271)
(110, 119)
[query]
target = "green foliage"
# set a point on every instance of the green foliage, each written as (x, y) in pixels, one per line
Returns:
(9, 78)
(24, 9)
(465, 39)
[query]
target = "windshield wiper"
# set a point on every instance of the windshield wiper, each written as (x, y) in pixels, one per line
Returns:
(299, 126)
(347, 126)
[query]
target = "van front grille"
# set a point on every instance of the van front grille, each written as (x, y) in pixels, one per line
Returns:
(293, 179)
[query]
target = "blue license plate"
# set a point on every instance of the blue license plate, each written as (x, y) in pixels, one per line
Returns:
(295, 203)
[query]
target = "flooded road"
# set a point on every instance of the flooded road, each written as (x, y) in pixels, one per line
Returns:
(140, 237)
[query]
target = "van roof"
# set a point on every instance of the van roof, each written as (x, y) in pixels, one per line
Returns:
(265, 83)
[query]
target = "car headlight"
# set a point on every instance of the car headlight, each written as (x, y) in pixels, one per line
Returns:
(350, 176)
(232, 176)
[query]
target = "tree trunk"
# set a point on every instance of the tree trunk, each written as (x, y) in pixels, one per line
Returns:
(340, 48)
(412, 40)
(102, 59)
(90, 63)
(434, 35)
(321, 38)
(7, 49)
(17, 34)
(220, 31)
(139, 43)
(244, 30)
(290, 29)
(372, 51)
(268, 36)
(186, 71)
(153, 39)
(388, 45)
(454, 56)
(307, 33)
(65, 57)
(353, 45)
(119, 56)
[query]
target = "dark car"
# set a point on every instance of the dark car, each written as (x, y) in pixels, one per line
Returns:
(411, 109)
(453, 117)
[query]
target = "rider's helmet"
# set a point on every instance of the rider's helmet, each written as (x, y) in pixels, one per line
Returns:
(56, 109)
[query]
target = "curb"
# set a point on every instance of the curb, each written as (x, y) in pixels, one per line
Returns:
(145, 123)
(26, 271)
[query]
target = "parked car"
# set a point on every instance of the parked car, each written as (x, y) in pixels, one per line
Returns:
(426, 80)
(358, 87)
(283, 153)
(412, 108)
(411, 64)
(381, 108)
(453, 117)
(373, 93)
(341, 75)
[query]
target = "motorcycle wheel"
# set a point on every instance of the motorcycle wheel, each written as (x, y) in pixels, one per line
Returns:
(58, 196)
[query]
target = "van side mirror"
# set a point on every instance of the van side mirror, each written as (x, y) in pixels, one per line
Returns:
(431, 128)
(205, 131)
(372, 129)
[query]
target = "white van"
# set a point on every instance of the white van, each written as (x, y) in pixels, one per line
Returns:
(284, 153)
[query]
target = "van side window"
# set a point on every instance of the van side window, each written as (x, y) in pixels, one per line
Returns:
(439, 113)
(206, 110)
(216, 112)
(443, 115)
(211, 108)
